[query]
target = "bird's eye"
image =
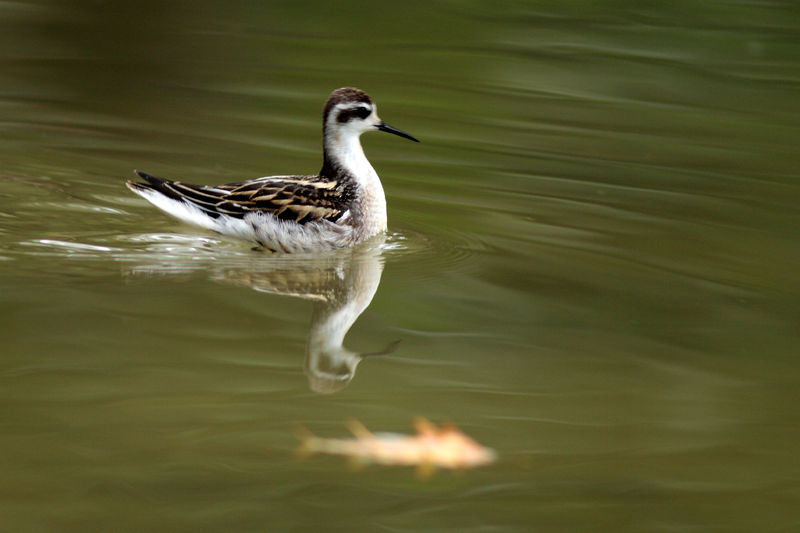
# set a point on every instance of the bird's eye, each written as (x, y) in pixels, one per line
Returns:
(346, 115)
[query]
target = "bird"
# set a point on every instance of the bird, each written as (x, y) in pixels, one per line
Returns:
(341, 206)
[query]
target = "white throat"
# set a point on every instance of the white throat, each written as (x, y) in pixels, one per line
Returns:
(343, 147)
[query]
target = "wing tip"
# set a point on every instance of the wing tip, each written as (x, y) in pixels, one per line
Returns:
(153, 180)
(137, 187)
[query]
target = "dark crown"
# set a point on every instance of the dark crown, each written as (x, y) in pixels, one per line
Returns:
(345, 95)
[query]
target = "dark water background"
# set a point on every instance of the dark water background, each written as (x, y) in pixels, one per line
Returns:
(592, 266)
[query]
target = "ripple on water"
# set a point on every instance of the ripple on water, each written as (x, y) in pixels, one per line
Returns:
(69, 247)
(421, 253)
(426, 254)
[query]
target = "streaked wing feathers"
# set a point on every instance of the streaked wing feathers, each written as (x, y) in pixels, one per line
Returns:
(298, 198)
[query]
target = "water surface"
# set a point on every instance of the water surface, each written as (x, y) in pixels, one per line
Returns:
(591, 267)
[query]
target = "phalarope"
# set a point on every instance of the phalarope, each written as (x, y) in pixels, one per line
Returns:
(341, 206)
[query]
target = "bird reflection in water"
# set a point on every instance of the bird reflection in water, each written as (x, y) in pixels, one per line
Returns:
(340, 285)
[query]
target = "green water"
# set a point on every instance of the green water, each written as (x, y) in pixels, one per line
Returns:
(592, 267)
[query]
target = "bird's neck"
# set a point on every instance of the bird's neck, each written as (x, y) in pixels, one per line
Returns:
(345, 160)
(344, 154)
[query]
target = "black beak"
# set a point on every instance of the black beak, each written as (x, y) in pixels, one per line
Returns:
(388, 129)
(390, 348)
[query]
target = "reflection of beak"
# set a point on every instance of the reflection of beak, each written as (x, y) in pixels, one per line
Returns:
(388, 129)
(390, 348)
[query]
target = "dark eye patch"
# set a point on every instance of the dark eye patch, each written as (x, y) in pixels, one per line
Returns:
(347, 114)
